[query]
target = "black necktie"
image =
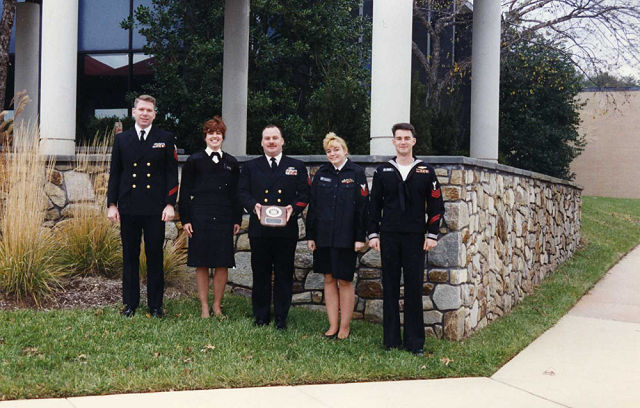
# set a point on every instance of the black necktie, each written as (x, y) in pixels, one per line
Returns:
(142, 132)
(274, 164)
(215, 156)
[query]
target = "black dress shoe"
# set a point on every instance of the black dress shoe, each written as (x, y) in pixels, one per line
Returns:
(128, 311)
(417, 352)
(156, 312)
(281, 325)
(260, 322)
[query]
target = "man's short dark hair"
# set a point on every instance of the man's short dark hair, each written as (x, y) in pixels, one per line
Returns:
(271, 125)
(403, 126)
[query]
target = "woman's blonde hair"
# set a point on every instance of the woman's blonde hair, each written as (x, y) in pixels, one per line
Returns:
(333, 139)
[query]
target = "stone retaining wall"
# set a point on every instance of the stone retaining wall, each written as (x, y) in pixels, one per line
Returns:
(505, 229)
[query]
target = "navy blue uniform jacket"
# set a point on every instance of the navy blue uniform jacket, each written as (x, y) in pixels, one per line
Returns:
(143, 177)
(209, 191)
(400, 206)
(287, 185)
(338, 207)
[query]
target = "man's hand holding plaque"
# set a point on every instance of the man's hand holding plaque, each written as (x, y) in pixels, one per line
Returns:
(273, 215)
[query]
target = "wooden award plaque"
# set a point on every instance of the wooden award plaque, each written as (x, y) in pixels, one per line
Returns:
(273, 216)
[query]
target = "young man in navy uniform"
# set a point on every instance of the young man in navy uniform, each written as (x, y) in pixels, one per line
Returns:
(143, 185)
(403, 190)
(273, 179)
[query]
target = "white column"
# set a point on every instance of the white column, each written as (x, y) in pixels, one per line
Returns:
(58, 76)
(235, 75)
(485, 83)
(27, 66)
(390, 70)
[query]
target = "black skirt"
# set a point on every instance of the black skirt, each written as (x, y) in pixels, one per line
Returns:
(337, 262)
(211, 245)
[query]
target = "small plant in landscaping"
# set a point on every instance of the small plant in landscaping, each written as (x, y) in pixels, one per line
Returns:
(173, 261)
(89, 245)
(89, 242)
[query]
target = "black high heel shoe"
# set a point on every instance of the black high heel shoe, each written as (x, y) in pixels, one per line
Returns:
(330, 336)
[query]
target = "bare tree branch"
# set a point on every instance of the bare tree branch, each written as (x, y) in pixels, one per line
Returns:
(598, 34)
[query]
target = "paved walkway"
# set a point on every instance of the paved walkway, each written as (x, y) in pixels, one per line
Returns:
(590, 358)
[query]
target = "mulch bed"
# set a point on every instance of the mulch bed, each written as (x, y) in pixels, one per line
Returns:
(90, 291)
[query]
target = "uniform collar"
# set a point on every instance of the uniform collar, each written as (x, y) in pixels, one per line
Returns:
(341, 166)
(147, 130)
(208, 150)
(395, 164)
(278, 158)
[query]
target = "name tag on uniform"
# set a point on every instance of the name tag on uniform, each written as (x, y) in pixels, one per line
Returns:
(387, 169)
(158, 145)
(347, 181)
(422, 170)
(325, 179)
(291, 171)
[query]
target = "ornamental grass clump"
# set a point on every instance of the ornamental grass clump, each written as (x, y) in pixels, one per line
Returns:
(173, 262)
(28, 251)
(89, 242)
(89, 245)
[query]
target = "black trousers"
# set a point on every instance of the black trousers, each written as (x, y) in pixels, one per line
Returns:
(131, 230)
(402, 253)
(272, 254)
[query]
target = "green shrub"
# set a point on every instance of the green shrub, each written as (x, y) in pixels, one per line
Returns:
(173, 261)
(89, 245)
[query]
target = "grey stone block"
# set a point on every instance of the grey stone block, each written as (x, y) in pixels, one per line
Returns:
(447, 297)
(78, 186)
(241, 274)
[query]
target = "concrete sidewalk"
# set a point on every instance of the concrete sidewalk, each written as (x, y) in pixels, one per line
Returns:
(590, 358)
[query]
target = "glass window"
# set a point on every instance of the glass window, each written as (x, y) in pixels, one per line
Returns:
(109, 113)
(99, 25)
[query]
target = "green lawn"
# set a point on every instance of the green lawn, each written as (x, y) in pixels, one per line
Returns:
(66, 353)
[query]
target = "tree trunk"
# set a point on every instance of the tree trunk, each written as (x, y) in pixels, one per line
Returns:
(8, 13)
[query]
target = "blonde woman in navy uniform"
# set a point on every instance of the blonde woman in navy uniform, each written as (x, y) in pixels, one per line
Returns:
(336, 222)
(142, 191)
(210, 213)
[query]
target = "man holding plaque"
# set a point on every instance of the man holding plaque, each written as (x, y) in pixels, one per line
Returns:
(274, 189)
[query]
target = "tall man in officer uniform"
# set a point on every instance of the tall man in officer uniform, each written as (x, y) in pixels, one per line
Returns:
(273, 179)
(143, 185)
(403, 190)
